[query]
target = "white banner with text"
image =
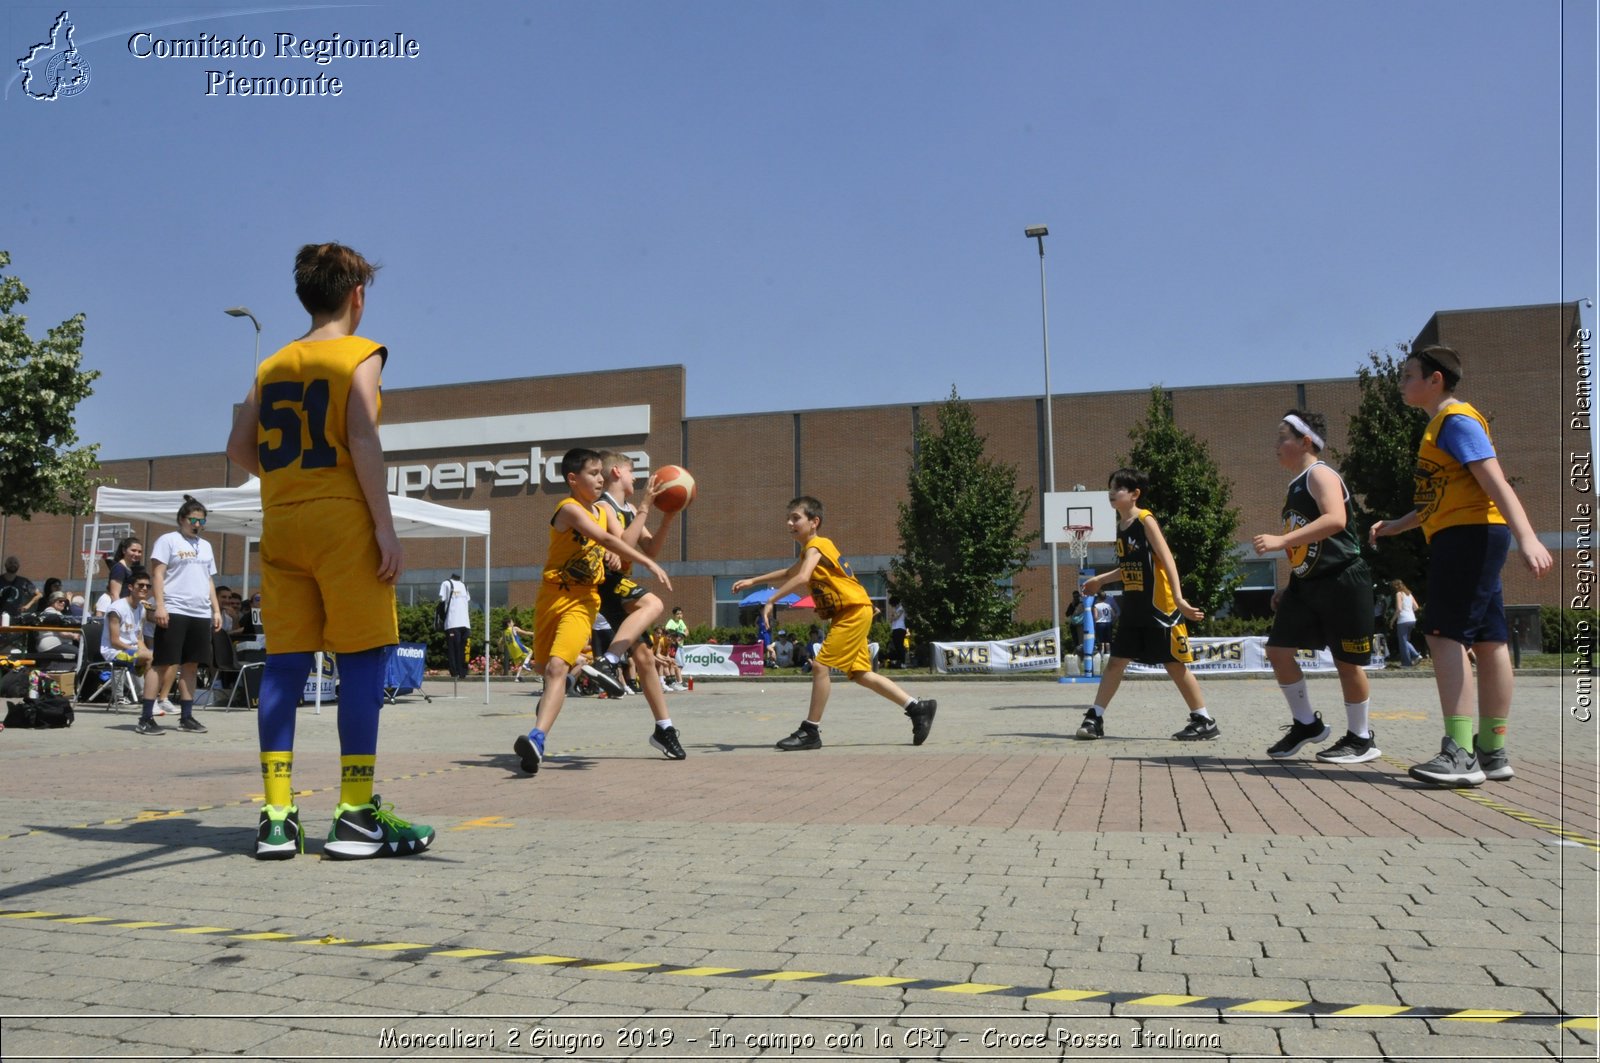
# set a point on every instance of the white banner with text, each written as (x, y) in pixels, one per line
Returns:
(1039, 652)
(1248, 653)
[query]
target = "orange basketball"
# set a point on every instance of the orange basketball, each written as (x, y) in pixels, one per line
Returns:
(677, 488)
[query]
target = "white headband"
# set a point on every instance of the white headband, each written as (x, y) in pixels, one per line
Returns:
(1293, 421)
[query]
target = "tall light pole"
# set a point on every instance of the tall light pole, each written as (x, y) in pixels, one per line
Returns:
(241, 311)
(1039, 232)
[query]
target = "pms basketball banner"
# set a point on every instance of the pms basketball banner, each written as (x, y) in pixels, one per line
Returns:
(1040, 652)
(713, 659)
(1248, 653)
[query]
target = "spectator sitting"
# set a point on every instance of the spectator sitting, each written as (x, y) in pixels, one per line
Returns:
(17, 592)
(783, 650)
(128, 556)
(59, 645)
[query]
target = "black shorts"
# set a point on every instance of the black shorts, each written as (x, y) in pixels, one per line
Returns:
(1464, 596)
(615, 594)
(185, 640)
(1148, 641)
(1331, 612)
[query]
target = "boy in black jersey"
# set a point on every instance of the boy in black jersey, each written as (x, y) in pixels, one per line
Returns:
(1151, 627)
(1328, 602)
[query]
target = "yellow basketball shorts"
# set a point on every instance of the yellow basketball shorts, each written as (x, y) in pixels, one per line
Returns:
(319, 579)
(845, 647)
(563, 622)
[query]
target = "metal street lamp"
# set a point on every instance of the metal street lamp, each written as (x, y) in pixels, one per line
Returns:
(1039, 232)
(240, 311)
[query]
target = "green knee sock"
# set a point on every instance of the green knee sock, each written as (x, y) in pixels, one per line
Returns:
(1492, 733)
(1459, 728)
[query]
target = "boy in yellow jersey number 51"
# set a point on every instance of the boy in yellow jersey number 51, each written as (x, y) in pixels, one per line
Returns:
(329, 555)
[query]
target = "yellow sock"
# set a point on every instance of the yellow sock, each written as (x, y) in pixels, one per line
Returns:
(355, 780)
(275, 769)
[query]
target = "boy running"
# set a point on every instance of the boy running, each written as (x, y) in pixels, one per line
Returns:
(1151, 627)
(1328, 602)
(569, 596)
(841, 599)
(329, 554)
(1470, 515)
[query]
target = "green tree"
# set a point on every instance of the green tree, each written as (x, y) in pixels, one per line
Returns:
(1377, 467)
(1190, 499)
(42, 468)
(961, 533)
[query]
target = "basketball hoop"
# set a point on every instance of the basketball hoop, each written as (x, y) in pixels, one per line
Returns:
(88, 563)
(1078, 542)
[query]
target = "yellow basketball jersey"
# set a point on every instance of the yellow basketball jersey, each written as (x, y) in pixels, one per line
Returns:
(833, 585)
(1446, 493)
(303, 441)
(575, 561)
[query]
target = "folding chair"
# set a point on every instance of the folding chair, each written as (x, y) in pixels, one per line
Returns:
(100, 680)
(229, 668)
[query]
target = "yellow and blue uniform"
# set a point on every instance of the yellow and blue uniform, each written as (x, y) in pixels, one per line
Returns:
(844, 603)
(319, 554)
(569, 595)
(1446, 494)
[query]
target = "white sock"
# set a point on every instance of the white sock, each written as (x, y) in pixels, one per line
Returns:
(1202, 711)
(1098, 710)
(663, 725)
(613, 658)
(1299, 700)
(1356, 713)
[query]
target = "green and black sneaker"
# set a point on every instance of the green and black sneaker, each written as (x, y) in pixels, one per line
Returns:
(372, 829)
(278, 834)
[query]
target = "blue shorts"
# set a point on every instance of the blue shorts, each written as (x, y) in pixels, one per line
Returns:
(1464, 599)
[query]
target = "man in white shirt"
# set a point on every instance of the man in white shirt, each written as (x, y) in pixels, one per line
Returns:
(457, 622)
(122, 636)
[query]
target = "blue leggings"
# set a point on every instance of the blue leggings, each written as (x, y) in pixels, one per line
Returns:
(360, 699)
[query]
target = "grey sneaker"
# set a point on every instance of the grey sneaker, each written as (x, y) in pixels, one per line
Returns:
(1453, 766)
(1494, 762)
(1296, 735)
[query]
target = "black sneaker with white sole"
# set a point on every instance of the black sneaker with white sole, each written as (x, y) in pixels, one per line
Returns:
(664, 740)
(1297, 735)
(1198, 729)
(1092, 727)
(801, 739)
(1351, 749)
(606, 677)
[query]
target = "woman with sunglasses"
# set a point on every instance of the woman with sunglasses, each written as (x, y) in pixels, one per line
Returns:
(187, 612)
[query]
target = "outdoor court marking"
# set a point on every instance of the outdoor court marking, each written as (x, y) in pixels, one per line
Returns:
(412, 950)
(1472, 794)
(253, 800)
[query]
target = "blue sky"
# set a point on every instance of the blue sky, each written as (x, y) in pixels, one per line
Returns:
(807, 204)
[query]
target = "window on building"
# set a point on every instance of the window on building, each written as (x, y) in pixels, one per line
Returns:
(1252, 599)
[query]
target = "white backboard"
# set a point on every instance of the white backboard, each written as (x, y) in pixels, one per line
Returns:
(1062, 508)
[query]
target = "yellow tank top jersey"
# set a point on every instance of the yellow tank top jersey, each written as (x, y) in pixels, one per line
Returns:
(575, 561)
(1446, 492)
(303, 441)
(833, 585)
(1145, 589)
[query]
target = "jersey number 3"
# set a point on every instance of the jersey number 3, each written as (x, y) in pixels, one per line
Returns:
(286, 405)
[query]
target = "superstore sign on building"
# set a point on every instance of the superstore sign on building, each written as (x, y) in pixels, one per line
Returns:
(540, 440)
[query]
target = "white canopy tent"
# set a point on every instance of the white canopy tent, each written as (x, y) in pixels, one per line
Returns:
(237, 511)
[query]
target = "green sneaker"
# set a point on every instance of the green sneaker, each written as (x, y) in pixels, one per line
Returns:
(278, 834)
(372, 829)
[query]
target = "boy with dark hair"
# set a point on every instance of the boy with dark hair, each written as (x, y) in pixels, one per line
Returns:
(329, 554)
(1328, 602)
(843, 601)
(569, 595)
(1150, 628)
(629, 608)
(1470, 515)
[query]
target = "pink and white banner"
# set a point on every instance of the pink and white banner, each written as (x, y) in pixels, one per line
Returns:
(714, 659)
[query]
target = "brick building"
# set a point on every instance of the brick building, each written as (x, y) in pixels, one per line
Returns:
(492, 444)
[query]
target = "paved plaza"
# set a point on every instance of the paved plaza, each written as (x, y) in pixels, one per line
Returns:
(1003, 891)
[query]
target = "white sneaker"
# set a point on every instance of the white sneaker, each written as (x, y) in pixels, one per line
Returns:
(164, 708)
